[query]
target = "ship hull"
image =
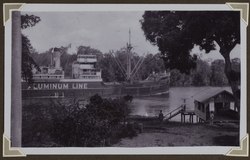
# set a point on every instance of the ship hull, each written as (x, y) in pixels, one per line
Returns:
(88, 89)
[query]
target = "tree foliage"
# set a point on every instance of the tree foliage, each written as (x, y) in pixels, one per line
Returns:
(112, 72)
(176, 32)
(152, 63)
(204, 74)
(218, 76)
(27, 61)
(64, 123)
(201, 75)
(29, 21)
(27, 50)
(163, 29)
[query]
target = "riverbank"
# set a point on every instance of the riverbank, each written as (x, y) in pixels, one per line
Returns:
(151, 106)
(179, 134)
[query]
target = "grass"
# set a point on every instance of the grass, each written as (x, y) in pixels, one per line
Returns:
(180, 134)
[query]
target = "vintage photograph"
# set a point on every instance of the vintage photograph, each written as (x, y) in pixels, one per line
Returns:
(147, 78)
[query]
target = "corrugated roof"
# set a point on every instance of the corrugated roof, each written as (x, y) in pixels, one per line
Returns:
(209, 93)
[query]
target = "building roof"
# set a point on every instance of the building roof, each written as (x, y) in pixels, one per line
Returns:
(210, 93)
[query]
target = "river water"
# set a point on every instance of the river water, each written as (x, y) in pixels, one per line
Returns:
(151, 106)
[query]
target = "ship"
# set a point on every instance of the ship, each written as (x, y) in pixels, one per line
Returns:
(86, 80)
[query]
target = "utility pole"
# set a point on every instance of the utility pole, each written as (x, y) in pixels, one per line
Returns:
(16, 101)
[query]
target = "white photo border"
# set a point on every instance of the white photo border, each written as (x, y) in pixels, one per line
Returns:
(208, 150)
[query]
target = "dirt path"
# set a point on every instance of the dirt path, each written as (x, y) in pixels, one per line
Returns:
(184, 135)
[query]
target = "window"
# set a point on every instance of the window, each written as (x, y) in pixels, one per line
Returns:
(199, 106)
(203, 108)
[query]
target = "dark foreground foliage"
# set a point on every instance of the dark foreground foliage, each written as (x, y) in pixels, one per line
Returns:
(101, 122)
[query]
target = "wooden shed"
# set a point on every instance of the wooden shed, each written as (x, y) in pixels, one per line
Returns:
(214, 103)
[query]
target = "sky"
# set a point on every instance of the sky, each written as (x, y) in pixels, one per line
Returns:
(104, 31)
(101, 30)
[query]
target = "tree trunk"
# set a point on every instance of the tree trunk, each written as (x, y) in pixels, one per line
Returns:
(233, 81)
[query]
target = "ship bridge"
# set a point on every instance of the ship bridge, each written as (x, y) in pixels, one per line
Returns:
(85, 68)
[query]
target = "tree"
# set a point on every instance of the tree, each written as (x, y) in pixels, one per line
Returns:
(29, 21)
(201, 75)
(89, 50)
(175, 77)
(152, 63)
(89, 126)
(27, 61)
(218, 77)
(175, 33)
(110, 69)
(236, 66)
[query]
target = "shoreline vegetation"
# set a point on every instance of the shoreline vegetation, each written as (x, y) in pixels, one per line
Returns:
(66, 123)
(106, 123)
(207, 73)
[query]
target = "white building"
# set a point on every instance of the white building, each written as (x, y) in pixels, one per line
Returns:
(85, 68)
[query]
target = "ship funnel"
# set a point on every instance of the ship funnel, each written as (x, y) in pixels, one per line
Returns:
(56, 58)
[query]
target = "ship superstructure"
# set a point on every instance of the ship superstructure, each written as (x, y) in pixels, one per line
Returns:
(54, 72)
(85, 68)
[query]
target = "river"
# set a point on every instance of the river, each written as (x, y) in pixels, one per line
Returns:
(151, 106)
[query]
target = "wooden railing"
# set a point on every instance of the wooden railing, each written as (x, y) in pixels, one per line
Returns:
(175, 112)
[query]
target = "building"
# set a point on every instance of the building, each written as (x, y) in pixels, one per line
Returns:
(216, 104)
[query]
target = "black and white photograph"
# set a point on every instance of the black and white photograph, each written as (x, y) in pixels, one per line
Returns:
(126, 79)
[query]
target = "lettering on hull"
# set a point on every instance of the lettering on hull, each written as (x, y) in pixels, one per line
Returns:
(56, 86)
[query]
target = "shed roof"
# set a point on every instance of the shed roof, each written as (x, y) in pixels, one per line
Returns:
(209, 93)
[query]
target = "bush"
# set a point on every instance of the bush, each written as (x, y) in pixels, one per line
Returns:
(65, 124)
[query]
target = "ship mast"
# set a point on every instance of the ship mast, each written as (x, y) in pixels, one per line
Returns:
(129, 73)
(51, 57)
(129, 48)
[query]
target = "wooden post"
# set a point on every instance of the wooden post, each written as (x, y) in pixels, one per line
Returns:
(16, 100)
